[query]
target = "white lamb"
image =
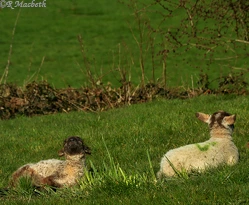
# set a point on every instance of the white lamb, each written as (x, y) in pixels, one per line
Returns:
(218, 150)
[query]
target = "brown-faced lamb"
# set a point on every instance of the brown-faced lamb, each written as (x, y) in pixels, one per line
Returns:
(54, 172)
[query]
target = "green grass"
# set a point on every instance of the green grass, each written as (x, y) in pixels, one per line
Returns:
(52, 32)
(45, 45)
(127, 145)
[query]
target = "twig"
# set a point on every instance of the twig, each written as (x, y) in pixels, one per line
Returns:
(241, 41)
(6, 71)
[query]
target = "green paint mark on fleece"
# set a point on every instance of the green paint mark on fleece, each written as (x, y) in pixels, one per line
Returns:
(206, 146)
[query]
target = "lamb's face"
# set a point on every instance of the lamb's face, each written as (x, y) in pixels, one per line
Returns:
(222, 119)
(218, 120)
(74, 146)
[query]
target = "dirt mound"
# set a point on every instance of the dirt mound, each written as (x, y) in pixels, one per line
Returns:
(42, 99)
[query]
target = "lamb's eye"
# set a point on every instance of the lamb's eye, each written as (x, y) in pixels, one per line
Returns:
(231, 126)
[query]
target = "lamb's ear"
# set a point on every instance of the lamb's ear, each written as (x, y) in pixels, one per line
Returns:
(203, 117)
(61, 153)
(87, 150)
(230, 120)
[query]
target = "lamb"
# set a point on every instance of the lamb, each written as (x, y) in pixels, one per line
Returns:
(218, 150)
(57, 173)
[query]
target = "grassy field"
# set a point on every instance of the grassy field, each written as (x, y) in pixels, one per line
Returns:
(45, 45)
(51, 33)
(127, 145)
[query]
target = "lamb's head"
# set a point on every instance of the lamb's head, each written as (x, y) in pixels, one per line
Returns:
(74, 147)
(220, 123)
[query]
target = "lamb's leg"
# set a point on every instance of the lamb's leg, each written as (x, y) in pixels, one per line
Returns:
(159, 175)
(27, 171)
(167, 168)
(24, 171)
(51, 181)
(232, 160)
(37, 179)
